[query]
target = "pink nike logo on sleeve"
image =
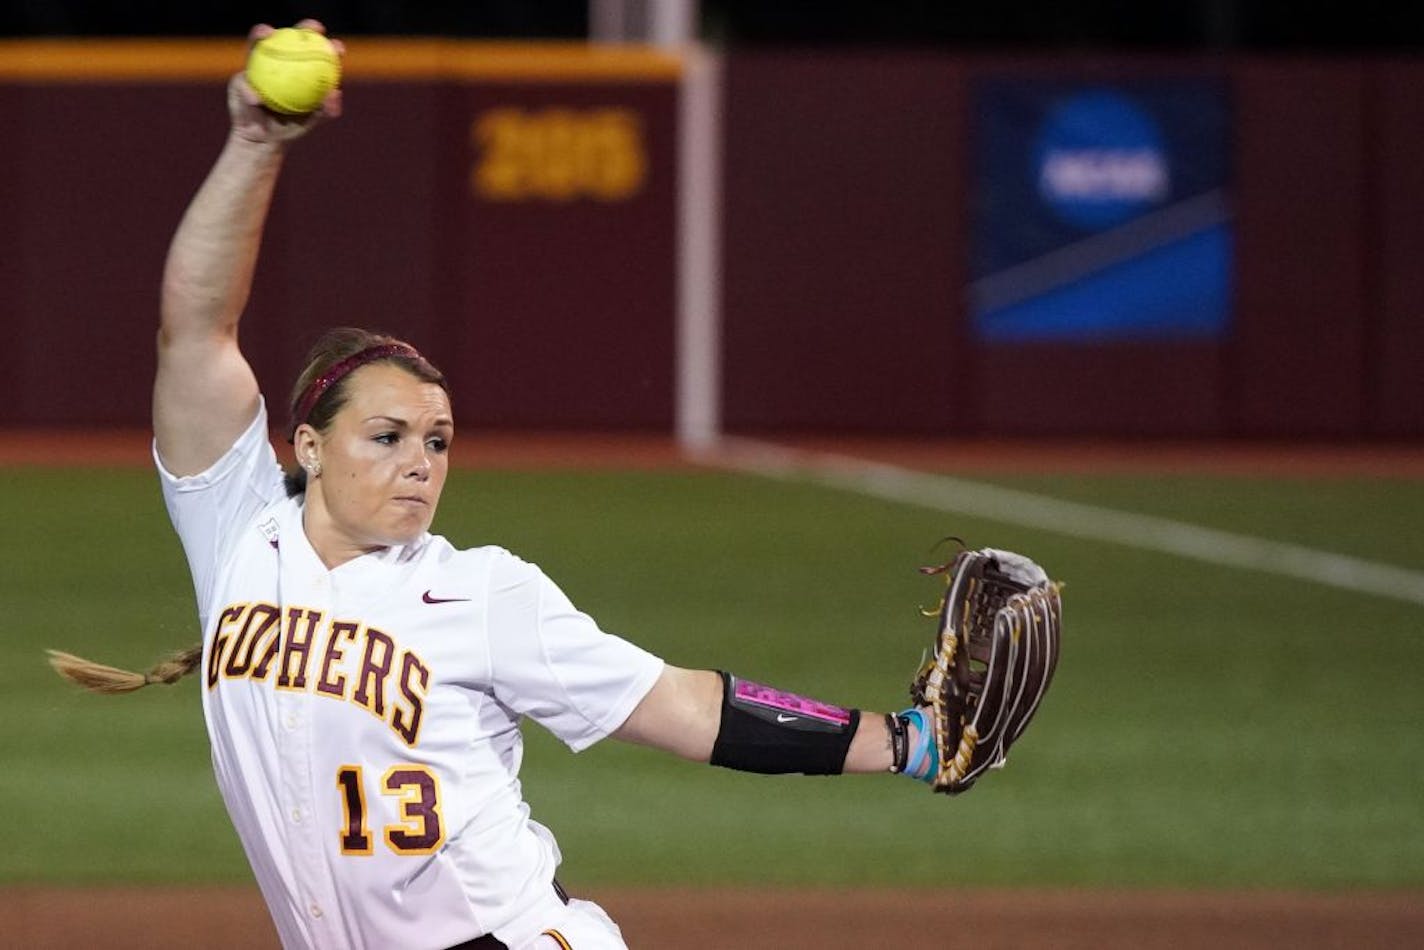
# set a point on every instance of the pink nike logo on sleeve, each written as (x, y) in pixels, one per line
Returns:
(442, 600)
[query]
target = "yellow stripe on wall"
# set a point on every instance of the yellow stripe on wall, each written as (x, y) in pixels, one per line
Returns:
(525, 62)
(367, 58)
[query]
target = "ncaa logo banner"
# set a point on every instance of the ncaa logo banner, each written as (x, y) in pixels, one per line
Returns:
(1100, 212)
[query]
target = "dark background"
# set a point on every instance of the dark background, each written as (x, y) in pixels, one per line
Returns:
(1088, 24)
(846, 190)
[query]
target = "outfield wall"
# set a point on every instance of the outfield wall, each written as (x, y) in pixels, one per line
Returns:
(513, 209)
(847, 236)
(508, 209)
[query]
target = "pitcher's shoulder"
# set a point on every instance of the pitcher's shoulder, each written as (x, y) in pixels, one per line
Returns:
(479, 567)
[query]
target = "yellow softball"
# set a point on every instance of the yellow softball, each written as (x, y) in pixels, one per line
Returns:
(293, 69)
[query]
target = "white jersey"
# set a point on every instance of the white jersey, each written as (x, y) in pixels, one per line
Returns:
(364, 721)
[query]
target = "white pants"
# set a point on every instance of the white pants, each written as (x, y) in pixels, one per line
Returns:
(582, 926)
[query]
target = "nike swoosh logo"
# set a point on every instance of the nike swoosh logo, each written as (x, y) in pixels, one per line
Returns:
(442, 600)
(781, 718)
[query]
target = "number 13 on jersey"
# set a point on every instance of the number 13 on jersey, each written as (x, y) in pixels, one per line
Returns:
(420, 831)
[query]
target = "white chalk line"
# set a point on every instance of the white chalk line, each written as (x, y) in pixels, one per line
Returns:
(1145, 532)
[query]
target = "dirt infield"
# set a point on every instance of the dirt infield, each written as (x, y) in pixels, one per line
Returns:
(539, 450)
(155, 919)
(126, 447)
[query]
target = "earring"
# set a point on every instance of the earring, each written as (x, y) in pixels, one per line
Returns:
(314, 469)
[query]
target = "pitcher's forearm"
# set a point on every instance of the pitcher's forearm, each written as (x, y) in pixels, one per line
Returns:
(870, 750)
(208, 275)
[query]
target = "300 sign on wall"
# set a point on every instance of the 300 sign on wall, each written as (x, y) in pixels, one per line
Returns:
(558, 154)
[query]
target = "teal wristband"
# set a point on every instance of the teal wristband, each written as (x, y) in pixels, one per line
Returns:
(923, 755)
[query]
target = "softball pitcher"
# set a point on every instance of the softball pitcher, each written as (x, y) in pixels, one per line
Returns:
(364, 681)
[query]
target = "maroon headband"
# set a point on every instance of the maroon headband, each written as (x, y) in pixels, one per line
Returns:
(332, 376)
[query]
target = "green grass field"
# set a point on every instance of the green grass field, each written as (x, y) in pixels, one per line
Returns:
(1209, 727)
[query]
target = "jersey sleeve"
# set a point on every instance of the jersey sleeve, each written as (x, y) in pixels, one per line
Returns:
(208, 509)
(552, 663)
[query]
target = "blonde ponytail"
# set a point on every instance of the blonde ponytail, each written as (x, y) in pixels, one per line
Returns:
(98, 678)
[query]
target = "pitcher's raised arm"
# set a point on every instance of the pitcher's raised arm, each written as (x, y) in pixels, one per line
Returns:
(205, 392)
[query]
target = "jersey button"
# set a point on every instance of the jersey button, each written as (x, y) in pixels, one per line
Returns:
(297, 815)
(315, 910)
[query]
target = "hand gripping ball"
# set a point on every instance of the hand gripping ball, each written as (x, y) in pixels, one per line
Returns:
(293, 69)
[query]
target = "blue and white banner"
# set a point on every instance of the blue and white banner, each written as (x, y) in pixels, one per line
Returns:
(1100, 212)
